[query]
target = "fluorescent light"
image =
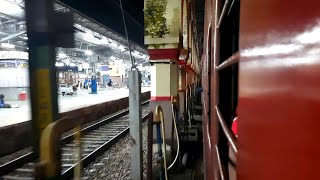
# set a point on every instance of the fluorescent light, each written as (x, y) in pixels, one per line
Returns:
(113, 44)
(72, 64)
(7, 45)
(10, 8)
(135, 53)
(112, 58)
(88, 52)
(85, 65)
(62, 55)
(59, 64)
(121, 48)
(88, 35)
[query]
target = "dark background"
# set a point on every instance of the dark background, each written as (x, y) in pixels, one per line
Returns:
(108, 13)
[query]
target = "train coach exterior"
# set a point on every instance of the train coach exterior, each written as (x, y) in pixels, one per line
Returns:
(278, 44)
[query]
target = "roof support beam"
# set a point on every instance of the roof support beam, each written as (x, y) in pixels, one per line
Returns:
(12, 36)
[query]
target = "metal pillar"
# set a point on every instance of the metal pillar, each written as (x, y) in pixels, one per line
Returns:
(42, 71)
(93, 60)
(135, 115)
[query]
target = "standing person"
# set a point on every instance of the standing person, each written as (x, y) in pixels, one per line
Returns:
(110, 83)
(81, 86)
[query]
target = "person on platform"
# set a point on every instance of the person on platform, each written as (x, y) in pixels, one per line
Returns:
(2, 103)
(110, 83)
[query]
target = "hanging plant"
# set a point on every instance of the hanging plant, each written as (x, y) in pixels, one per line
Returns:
(154, 20)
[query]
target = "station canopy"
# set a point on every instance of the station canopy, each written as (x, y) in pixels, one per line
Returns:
(92, 39)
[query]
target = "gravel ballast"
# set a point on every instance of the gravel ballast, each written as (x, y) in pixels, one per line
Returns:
(115, 163)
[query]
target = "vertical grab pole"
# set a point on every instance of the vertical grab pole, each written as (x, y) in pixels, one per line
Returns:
(161, 139)
(42, 73)
(135, 114)
(78, 154)
(150, 144)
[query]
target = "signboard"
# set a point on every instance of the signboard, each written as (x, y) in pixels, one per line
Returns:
(13, 63)
(104, 68)
(13, 55)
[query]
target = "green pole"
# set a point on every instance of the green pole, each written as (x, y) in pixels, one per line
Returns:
(42, 71)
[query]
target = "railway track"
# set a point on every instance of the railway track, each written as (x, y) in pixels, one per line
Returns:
(96, 139)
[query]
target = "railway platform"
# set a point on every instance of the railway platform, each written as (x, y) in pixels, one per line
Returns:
(67, 103)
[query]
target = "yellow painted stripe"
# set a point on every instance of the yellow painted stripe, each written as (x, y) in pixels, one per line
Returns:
(43, 89)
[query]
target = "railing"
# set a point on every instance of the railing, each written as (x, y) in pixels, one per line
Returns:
(50, 161)
(230, 136)
(233, 59)
(159, 121)
(175, 114)
(224, 11)
(226, 130)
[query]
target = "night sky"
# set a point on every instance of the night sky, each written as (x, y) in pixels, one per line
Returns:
(108, 12)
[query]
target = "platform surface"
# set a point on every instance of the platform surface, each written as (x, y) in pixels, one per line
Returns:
(66, 103)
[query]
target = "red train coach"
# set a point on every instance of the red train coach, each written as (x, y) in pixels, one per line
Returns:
(261, 59)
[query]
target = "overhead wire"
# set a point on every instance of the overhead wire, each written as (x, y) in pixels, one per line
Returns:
(125, 29)
(129, 15)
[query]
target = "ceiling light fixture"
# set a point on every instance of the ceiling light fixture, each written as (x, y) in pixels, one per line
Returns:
(59, 64)
(7, 45)
(88, 52)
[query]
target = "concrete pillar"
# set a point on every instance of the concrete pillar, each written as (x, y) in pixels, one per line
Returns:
(135, 115)
(163, 38)
(164, 84)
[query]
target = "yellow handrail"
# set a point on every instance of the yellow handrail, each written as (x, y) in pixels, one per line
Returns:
(49, 149)
(174, 105)
(160, 118)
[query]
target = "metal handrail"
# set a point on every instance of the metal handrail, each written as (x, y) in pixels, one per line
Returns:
(50, 163)
(230, 137)
(223, 13)
(231, 60)
(174, 108)
(221, 170)
(160, 119)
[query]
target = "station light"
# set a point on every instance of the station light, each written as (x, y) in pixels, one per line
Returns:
(135, 53)
(88, 35)
(62, 55)
(10, 8)
(121, 48)
(72, 64)
(88, 52)
(85, 65)
(112, 58)
(113, 44)
(59, 64)
(7, 45)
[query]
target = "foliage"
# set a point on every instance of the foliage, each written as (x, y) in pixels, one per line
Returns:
(154, 20)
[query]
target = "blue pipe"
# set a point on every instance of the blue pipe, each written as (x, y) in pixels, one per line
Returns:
(159, 140)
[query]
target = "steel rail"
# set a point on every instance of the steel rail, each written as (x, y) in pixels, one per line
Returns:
(29, 157)
(99, 151)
